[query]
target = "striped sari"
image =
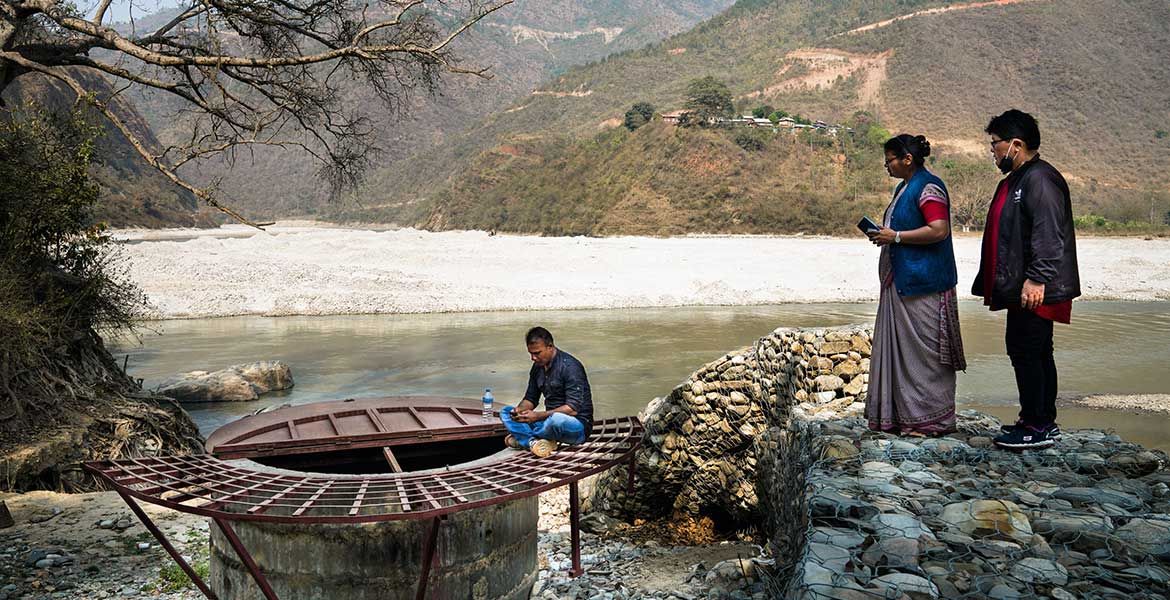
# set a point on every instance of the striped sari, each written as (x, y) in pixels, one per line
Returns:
(917, 347)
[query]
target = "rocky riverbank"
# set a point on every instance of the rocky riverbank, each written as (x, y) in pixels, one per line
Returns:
(764, 444)
(772, 434)
(89, 546)
(957, 518)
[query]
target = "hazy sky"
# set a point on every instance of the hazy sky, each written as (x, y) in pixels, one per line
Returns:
(121, 10)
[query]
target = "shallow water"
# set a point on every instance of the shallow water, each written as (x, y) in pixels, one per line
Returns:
(632, 355)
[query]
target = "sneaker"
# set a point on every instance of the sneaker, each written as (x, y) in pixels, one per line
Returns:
(1053, 430)
(511, 442)
(1014, 426)
(1023, 438)
(542, 448)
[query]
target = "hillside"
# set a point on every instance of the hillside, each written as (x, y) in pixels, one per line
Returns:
(645, 183)
(133, 194)
(1097, 78)
(524, 44)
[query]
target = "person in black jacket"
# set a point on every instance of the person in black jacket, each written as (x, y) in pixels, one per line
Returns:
(568, 401)
(1029, 267)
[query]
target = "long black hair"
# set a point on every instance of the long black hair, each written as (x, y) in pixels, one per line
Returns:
(914, 145)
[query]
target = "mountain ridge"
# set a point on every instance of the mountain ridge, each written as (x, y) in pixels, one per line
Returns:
(1097, 78)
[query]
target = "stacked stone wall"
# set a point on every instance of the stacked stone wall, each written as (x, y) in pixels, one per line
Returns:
(703, 441)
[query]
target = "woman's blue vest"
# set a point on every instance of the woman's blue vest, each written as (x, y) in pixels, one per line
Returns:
(920, 269)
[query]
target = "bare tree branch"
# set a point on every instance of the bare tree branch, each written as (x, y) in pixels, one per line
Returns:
(101, 12)
(83, 94)
(254, 72)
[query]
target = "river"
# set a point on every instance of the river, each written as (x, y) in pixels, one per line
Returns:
(632, 355)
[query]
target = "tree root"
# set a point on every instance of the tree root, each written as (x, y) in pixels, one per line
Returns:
(63, 408)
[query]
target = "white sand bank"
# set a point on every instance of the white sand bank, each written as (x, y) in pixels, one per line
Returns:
(1138, 404)
(309, 270)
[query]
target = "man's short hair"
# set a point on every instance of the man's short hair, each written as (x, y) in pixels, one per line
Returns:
(1016, 124)
(538, 333)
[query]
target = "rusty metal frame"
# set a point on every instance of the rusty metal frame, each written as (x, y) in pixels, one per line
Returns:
(226, 491)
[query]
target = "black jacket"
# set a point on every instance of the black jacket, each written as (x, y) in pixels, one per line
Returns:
(1036, 238)
(563, 383)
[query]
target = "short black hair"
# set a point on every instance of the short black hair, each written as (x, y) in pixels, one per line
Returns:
(1016, 124)
(538, 333)
(914, 145)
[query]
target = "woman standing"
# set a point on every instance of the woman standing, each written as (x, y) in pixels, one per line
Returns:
(916, 347)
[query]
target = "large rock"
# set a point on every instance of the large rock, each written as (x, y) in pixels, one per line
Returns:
(992, 518)
(1039, 570)
(828, 383)
(239, 383)
(904, 583)
(1148, 536)
(1085, 532)
(1088, 496)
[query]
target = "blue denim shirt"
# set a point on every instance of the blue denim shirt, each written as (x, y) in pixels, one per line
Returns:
(564, 382)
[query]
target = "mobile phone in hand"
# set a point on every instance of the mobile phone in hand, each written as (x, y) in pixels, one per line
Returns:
(867, 225)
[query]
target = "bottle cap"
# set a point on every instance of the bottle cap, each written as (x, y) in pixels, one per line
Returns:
(487, 389)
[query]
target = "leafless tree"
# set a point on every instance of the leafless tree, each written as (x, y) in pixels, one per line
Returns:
(251, 72)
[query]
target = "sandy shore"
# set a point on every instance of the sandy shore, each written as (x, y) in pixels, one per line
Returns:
(306, 269)
(1138, 404)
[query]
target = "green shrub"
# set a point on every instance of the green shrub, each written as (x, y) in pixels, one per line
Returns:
(59, 286)
(638, 115)
(750, 141)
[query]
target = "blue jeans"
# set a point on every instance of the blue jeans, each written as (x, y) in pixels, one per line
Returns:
(558, 427)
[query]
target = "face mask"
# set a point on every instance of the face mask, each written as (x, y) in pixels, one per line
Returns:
(1005, 163)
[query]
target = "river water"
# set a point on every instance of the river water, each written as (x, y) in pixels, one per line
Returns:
(632, 355)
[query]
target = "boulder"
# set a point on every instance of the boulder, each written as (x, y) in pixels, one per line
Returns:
(889, 525)
(1039, 570)
(239, 383)
(1148, 536)
(1094, 496)
(904, 583)
(828, 383)
(995, 518)
(266, 375)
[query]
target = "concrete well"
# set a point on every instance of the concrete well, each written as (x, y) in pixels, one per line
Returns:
(482, 553)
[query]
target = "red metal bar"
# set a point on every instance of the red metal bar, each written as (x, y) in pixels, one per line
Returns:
(402, 494)
(246, 558)
(189, 483)
(414, 413)
(633, 467)
(376, 420)
(428, 558)
(458, 415)
(451, 490)
(488, 482)
(311, 500)
(357, 502)
(426, 494)
(264, 505)
(389, 454)
(575, 528)
(166, 544)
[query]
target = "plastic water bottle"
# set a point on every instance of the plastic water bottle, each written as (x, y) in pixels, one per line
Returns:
(488, 415)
